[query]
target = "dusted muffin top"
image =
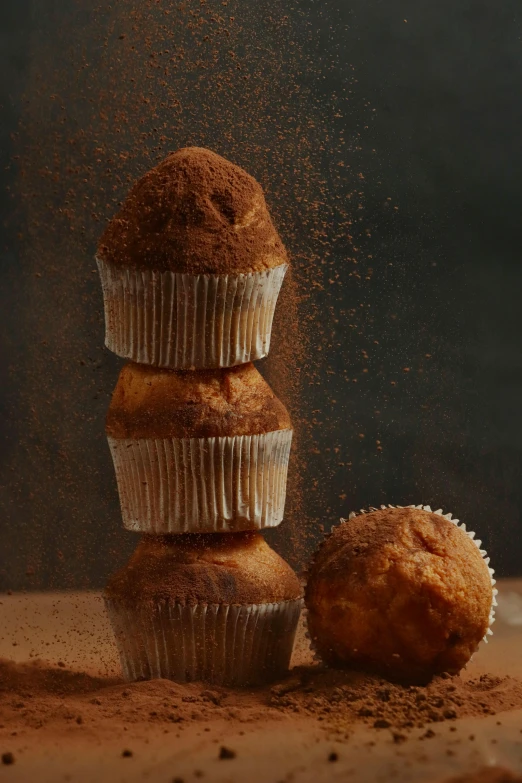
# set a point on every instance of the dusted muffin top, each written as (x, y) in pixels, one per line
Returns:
(195, 212)
(153, 403)
(402, 591)
(239, 568)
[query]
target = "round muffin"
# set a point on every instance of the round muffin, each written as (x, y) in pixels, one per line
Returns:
(195, 212)
(221, 609)
(191, 266)
(401, 591)
(198, 452)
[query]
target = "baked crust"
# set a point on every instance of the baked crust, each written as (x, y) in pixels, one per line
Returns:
(402, 591)
(238, 568)
(149, 402)
(196, 213)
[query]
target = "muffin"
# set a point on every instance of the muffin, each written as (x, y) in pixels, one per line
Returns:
(191, 266)
(404, 592)
(198, 452)
(220, 609)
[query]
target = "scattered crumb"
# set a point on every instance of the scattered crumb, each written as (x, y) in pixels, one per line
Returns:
(226, 753)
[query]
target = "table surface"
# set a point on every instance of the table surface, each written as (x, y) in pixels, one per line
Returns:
(72, 628)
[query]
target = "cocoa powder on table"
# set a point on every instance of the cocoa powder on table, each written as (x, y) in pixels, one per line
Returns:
(488, 775)
(34, 695)
(343, 698)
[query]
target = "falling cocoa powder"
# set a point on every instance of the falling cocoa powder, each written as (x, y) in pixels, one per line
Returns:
(148, 78)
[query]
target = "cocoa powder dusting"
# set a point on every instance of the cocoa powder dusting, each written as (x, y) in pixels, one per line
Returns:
(195, 212)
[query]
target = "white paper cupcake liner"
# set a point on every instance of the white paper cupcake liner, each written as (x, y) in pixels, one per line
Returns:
(220, 644)
(456, 522)
(184, 321)
(197, 485)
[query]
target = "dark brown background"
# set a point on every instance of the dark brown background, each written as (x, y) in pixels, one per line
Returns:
(427, 110)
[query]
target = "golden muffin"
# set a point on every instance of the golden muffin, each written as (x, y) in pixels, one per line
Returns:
(153, 403)
(221, 609)
(198, 452)
(401, 591)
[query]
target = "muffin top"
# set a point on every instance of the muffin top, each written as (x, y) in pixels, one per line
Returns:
(195, 212)
(149, 402)
(402, 591)
(237, 568)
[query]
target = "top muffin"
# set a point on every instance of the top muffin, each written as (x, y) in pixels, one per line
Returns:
(194, 213)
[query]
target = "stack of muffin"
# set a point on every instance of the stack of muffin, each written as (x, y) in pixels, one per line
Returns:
(191, 268)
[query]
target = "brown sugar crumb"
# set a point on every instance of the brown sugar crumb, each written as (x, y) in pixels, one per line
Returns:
(127, 753)
(421, 580)
(8, 758)
(226, 753)
(196, 213)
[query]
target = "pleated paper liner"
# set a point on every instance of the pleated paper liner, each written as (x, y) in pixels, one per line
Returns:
(220, 644)
(196, 485)
(456, 522)
(184, 321)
